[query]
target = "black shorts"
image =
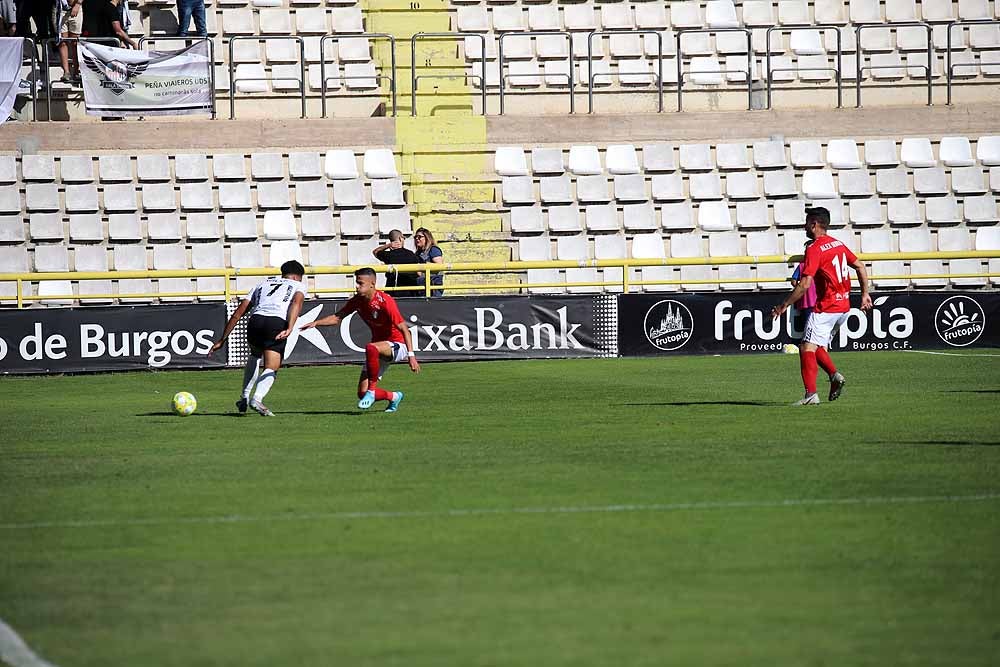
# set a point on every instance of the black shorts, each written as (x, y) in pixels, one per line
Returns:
(261, 331)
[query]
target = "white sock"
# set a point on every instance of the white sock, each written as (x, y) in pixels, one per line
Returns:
(250, 375)
(264, 384)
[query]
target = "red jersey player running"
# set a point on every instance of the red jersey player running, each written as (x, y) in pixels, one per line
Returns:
(391, 339)
(826, 264)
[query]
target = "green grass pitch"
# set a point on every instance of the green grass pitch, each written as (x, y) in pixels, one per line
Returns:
(669, 511)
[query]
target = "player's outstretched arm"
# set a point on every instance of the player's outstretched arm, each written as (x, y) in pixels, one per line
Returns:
(866, 299)
(230, 325)
(293, 314)
(800, 288)
(329, 320)
(412, 357)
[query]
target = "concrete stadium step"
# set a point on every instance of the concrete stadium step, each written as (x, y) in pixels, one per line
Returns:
(437, 62)
(454, 194)
(477, 251)
(480, 224)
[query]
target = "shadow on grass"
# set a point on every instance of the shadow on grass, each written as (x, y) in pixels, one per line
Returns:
(346, 413)
(197, 414)
(971, 391)
(687, 403)
(248, 415)
(942, 443)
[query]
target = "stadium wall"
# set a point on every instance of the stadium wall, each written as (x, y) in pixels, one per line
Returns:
(69, 340)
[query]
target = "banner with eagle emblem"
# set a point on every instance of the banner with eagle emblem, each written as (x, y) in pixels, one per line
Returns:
(123, 82)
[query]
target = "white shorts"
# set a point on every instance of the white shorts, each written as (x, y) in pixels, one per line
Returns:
(399, 355)
(820, 327)
(69, 24)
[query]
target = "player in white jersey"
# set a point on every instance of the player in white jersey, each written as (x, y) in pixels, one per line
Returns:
(274, 306)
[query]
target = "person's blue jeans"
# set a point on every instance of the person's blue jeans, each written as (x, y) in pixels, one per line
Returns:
(188, 9)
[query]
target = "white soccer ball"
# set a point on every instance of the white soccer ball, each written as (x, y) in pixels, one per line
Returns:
(184, 403)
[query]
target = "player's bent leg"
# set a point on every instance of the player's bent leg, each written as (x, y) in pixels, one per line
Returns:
(837, 382)
(272, 362)
(378, 356)
(825, 362)
(250, 372)
(807, 367)
(373, 363)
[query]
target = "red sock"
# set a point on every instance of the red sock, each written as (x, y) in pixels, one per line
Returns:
(371, 365)
(382, 394)
(807, 363)
(824, 361)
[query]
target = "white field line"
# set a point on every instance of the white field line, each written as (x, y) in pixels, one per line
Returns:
(951, 354)
(15, 652)
(499, 511)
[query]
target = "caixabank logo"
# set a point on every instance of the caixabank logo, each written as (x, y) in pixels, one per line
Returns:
(668, 325)
(960, 321)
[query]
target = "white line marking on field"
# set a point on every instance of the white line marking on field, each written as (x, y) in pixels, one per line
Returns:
(951, 354)
(592, 509)
(15, 652)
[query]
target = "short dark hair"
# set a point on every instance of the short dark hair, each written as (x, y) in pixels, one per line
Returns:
(293, 268)
(818, 214)
(367, 271)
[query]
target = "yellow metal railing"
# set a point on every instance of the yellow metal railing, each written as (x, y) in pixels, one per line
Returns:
(477, 267)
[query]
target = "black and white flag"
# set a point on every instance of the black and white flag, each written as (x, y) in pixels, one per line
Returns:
(121, 82)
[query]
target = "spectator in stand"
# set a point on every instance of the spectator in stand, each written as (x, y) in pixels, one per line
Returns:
(102, 18)
(429, 253)
(67, 16)
(188, 9)
(37, 11)
(394, 253)
(8, 18)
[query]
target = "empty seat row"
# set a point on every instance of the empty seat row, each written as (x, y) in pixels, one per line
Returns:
(170, 227)
(251, 254)
(719, 216)
(624, 159)
(920, 274)
(733, 70)
(255, 78)
(206, 256)
(279, 21)
(754, 244)
(628, 45)
(203, 196)
(738, 185)
(377, 163)
(765, 243)
(345, 50)
(713, 14)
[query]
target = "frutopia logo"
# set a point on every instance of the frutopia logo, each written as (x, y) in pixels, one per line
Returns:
(960, 321)
(668, 325)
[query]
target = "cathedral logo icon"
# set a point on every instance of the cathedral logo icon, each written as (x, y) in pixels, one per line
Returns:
(668, 325)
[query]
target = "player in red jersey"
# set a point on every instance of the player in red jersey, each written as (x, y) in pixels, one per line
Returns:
(391, 339)
(826, 265)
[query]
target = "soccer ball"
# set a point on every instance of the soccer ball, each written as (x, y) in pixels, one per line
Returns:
(184, 403)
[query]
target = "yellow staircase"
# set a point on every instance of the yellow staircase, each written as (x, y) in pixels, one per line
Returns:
(442, 149)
